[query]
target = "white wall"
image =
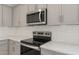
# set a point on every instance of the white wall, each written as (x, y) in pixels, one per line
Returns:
(64, 33)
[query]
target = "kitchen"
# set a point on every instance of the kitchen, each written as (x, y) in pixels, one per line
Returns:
(62, 22)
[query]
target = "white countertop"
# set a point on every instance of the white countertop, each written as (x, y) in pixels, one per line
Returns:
(71, 49)
(18, 39)
(66, 48)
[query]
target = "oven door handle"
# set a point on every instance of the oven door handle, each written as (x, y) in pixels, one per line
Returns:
(30, 46)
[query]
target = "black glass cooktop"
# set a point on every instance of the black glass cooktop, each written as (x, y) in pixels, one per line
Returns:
(32, 42)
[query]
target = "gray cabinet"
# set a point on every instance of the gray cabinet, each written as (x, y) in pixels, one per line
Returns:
(16, 16)
(7, 16)
(70, 13)
(31, 7)
(14, 48)
(54, 14)
(41, 6)
(3, 47)
(19, 15)
(1, 15)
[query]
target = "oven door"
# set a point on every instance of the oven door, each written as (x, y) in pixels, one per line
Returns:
(29, 50)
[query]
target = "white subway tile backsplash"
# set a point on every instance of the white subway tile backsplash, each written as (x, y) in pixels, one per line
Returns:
(63, 33)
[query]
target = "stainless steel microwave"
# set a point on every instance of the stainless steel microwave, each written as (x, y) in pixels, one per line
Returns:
(37, 17)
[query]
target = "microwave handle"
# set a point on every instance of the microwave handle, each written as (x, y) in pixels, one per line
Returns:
(40, 16)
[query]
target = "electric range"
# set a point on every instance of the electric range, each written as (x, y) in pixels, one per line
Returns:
(31, 46)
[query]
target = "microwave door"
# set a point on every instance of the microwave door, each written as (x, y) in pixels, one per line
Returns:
(33, 18)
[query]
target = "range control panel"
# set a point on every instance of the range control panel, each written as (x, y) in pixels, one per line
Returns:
(40, 33)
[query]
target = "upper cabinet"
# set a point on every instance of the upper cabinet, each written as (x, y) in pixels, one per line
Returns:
(0, 15)
(41, 6)
(70, 13)
(54, 14)
(63, 14)
(7, 16)
(16, 16)
(19, 15)
(31, 7)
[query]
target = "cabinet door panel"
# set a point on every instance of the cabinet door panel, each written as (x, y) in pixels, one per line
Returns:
(70, 13)
(41, 6)
(53, 14)
(19, 15)
(23, 13)
(16, 16)
(0, 15)
(14, 48)
(7, 16)
(3, 47)
(31, 7)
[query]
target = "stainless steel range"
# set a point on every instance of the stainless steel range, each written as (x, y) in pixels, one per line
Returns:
(32, 46)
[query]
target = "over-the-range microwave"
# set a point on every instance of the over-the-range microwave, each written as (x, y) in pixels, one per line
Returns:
(37, 17)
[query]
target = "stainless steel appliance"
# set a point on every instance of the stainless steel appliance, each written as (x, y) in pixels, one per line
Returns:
(32, 46)
(37, 17)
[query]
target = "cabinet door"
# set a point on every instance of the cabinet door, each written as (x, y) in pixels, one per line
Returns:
(3, 47)
(17, 48)
(0, 15)
(41, 6)
(14, 48)
(70, 13)
(16, 16)
(23, 13)
(54, 14)
(11, 47)
(19, 15)
(31, 7)
(7, 16)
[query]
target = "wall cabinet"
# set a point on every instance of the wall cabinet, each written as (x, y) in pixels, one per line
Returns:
(14, 48)
(70, 13)
(0, 15)
(16, 16)
(63, 14)
(3, 47)
(41, 6)
(19, 15)
(54, 14)
(31, 7)
(7, 16)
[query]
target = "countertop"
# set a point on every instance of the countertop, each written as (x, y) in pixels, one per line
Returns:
(66, 48)
(18, 39)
